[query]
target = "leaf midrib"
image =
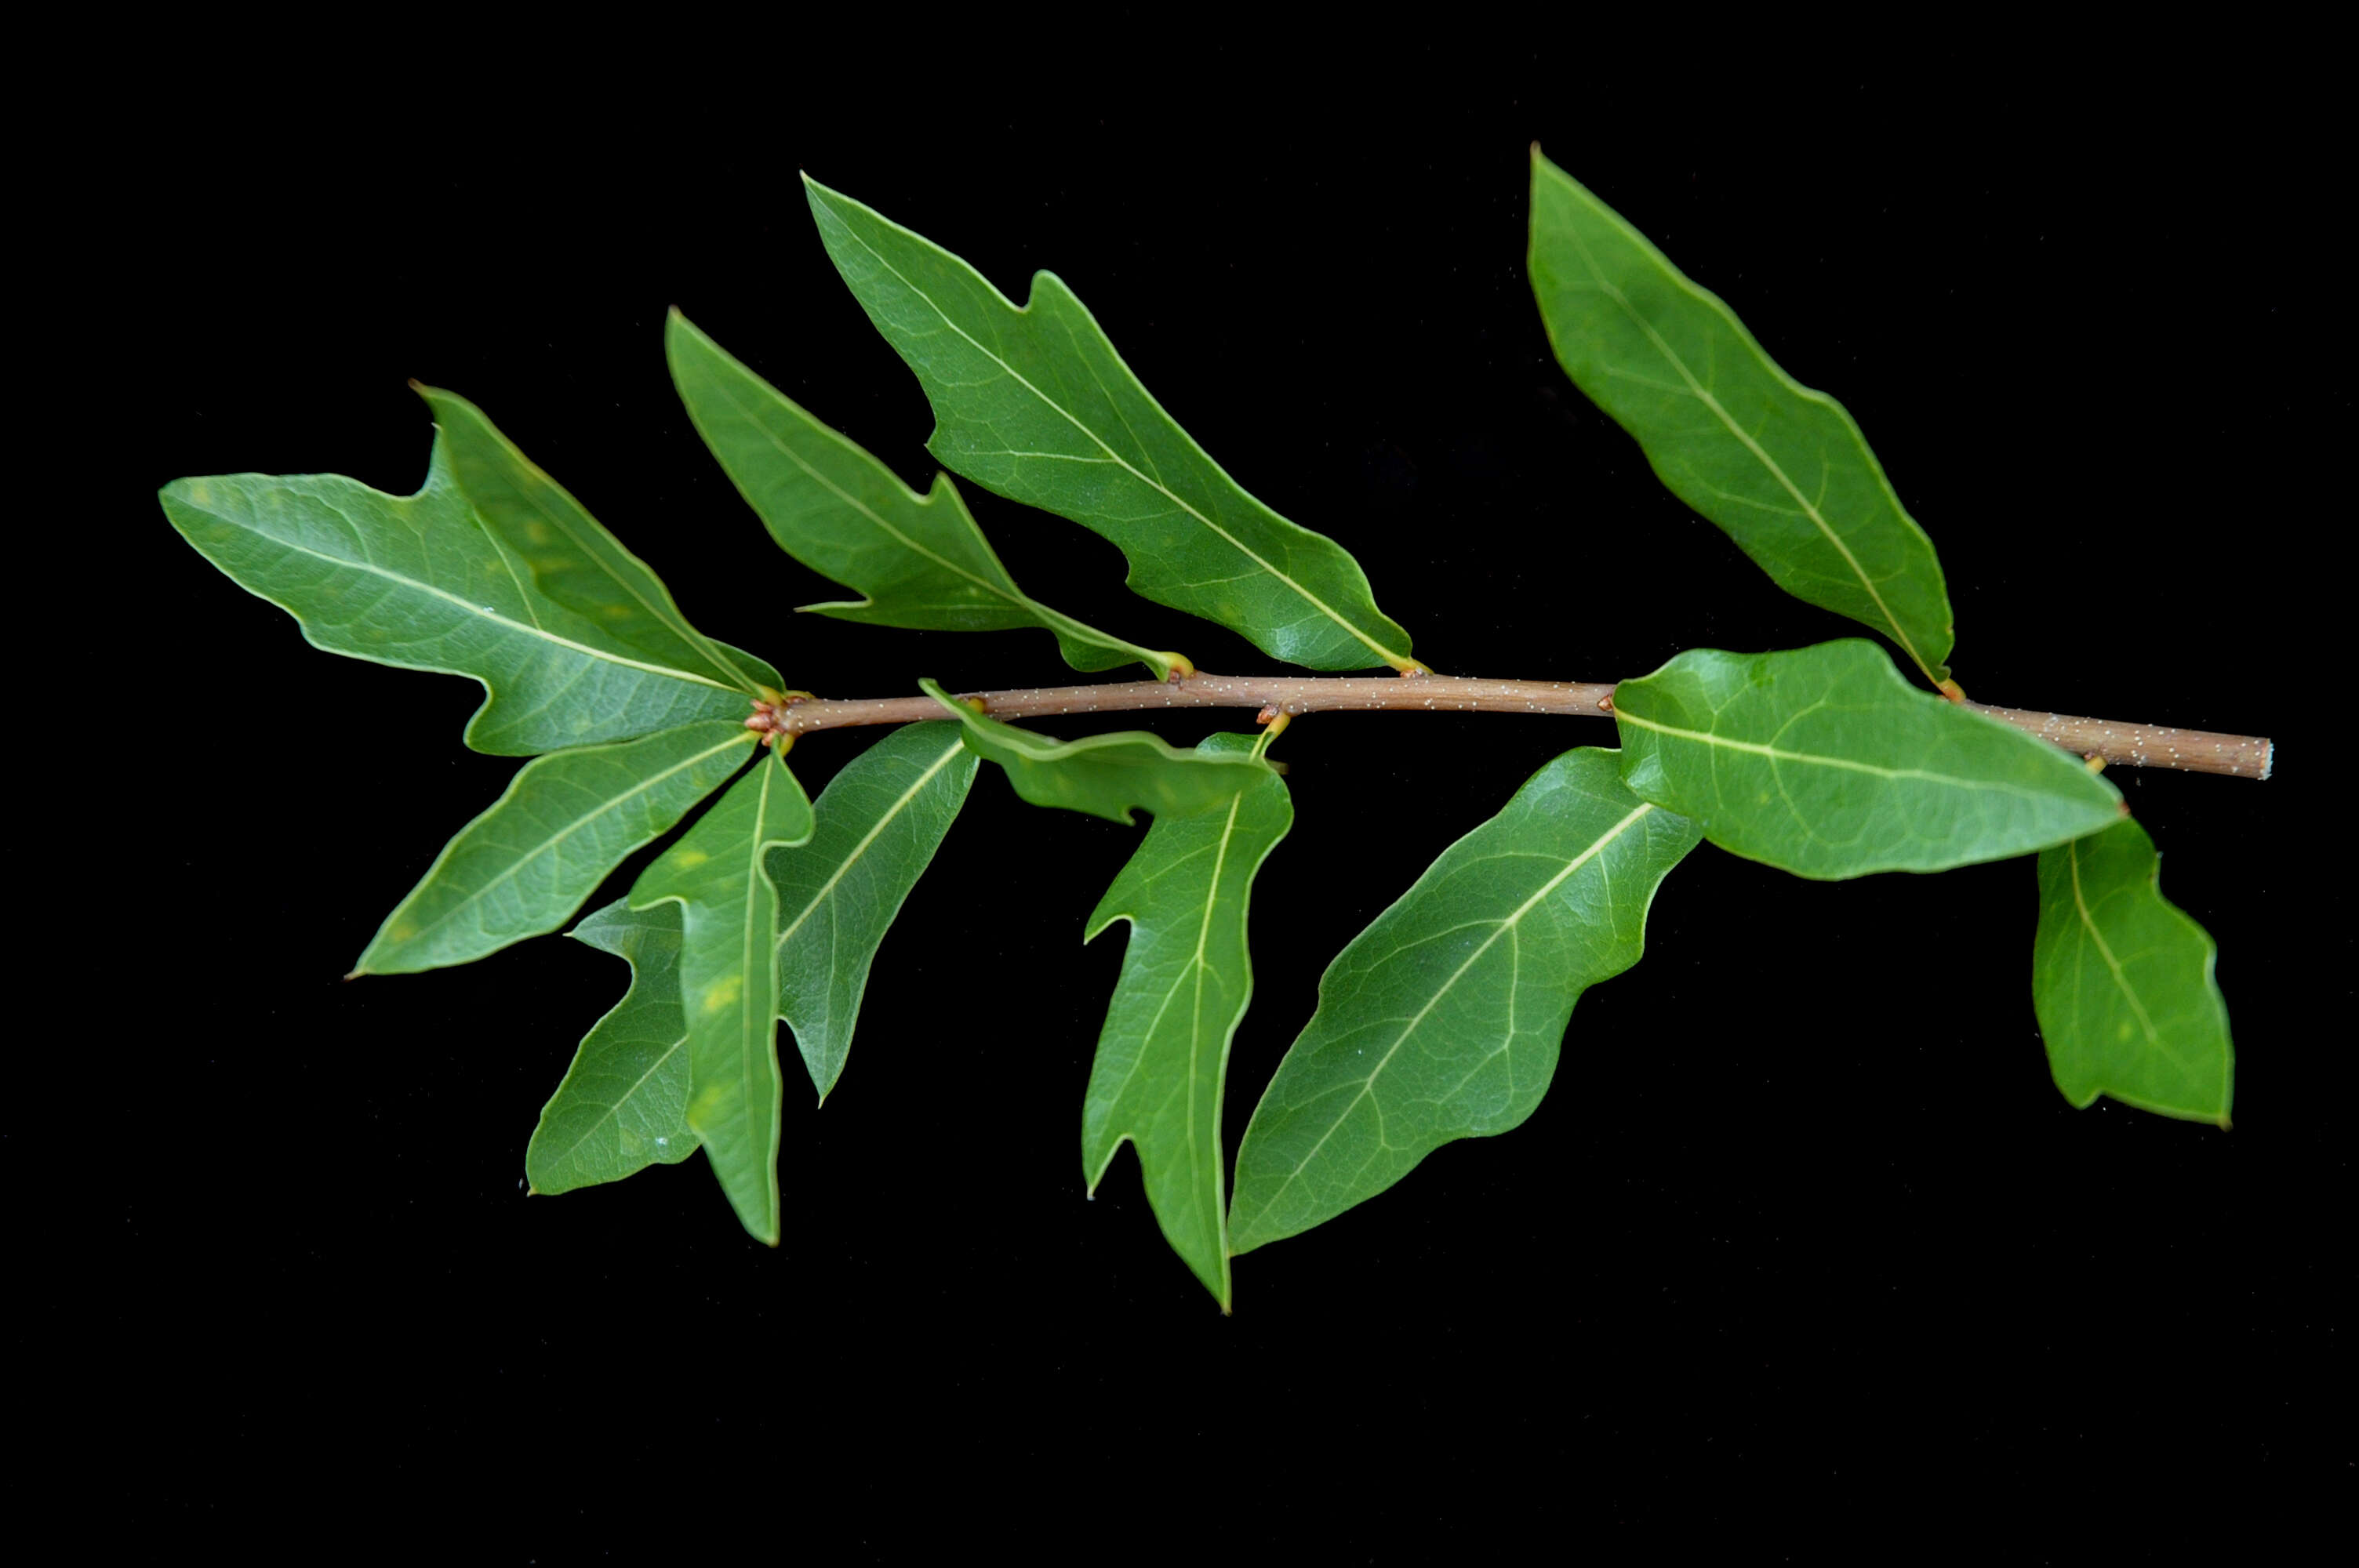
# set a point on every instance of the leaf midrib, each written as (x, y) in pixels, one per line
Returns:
(747, 1045)
(475, 610)
(1194, 969)
(1778, 754)
(1196, 999)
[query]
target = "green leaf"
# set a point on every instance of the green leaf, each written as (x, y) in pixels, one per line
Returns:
(728, 985)
(1783, 470)
(1825, 762)
(919, 561)
(1104, 775)
(2121, 979)
(1035, 404)
(1442, 1018)
(1163, 1056)
(623, 1103)
(572, 558)
(567, 820)
(879, 822)
(415, 581)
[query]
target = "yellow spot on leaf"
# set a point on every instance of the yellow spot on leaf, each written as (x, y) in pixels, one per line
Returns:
(723, 992)
(403, 932)
(687, 858)
(536, 531)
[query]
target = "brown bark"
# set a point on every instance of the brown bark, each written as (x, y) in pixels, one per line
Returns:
(2120, 744)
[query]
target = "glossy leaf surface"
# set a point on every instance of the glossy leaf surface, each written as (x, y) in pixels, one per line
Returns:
(878, 824)
(1781, 468)
(567, 820)
(571, 557)
(2121, 979)
(1825, 762)
(1163, 1054)
(415, 581)
(1034, 403)
(1442, 1018)
(919, 561)
(623, 1105)
(728, 984)
(1104, 775)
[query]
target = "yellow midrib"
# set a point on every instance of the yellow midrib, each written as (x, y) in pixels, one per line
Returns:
(484, 611)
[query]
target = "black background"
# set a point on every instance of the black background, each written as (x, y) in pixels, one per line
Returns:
(1802, 1209)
